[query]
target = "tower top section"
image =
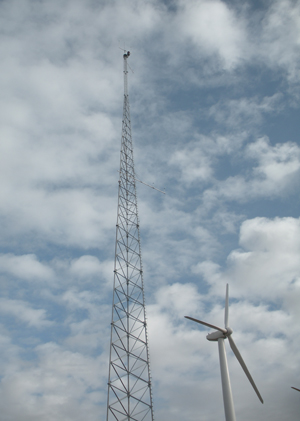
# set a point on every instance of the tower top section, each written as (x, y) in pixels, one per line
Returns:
(125, 56)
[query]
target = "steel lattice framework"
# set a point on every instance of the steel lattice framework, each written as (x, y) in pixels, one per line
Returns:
(129, 383)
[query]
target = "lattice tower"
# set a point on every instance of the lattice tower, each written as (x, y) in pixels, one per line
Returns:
(129, 383)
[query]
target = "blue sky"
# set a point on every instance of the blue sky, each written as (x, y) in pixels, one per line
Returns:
(214, 99)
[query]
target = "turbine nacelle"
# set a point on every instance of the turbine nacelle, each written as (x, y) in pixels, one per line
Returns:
(215, 336)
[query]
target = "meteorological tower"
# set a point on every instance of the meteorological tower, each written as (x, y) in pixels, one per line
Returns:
(129, 381)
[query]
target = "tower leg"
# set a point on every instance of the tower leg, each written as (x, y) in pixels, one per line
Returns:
(226, 387)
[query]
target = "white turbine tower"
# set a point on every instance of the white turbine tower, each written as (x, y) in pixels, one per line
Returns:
(220, 335)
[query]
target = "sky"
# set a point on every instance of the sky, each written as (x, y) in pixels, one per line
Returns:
(214, 92)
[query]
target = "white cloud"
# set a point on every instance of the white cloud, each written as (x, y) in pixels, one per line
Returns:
(177, 235)
(88, 319)
(67, 216)
(86, 267)
(197, 160)
(275, 163)
(22, 311)
(80, 299)
(179, 299)
(269, 260)
(280, 38)
(266, 266)
(243, 112)
(214, 28)
(194, 165)
(25, 267)
(273, 175)
(62, 385)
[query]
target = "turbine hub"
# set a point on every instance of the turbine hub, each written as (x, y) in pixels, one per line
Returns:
(229, 331)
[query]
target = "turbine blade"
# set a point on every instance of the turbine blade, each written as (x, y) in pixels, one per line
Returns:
(244, 367)
(226, 306)
(295, 388)
(207, 324)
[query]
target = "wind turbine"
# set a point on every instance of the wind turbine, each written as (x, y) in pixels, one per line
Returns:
(220, 335)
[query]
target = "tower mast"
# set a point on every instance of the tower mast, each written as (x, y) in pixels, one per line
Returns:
(129, 380)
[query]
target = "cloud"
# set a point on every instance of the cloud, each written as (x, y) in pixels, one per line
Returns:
(24, 313)
(280, 33)
(197, 159)
(214, 28)
(193, 164)
(62, 385)
(274, 246)
(273, 175)
(25, 267)
(87, 267)
(67, 216)
(277, 163)
(243, 112)
(266, 266)
(179, 299)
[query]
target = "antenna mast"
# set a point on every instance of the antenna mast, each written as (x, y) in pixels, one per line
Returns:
(129, 380)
